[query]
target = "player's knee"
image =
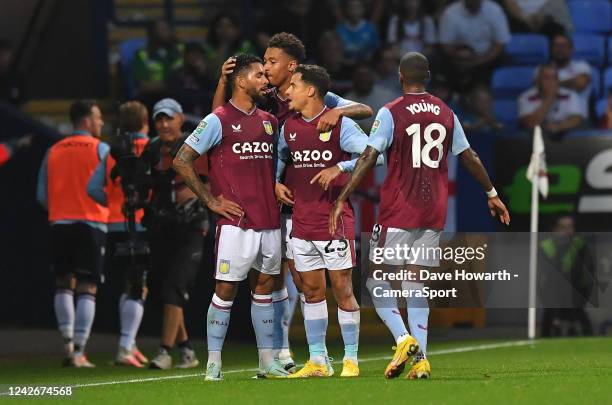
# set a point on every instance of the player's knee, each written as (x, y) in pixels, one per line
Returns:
(86, 287)
(226, 290)
(278, 281)
(65, 282)
(136, 291)
(313, 292)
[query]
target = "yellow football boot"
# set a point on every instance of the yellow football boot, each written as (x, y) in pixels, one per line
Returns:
(403, 351)
(311, 370)
(420, 369)
(350, 368)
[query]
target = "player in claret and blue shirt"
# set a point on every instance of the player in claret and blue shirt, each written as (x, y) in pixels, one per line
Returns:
(284, 53)
(318, 160)
(417, 131)
(239, 139)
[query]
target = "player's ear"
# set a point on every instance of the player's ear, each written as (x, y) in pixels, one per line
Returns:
(292, 65)
(311, 91)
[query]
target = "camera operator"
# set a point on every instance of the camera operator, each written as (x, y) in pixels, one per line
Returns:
(127, 251)
(177, 224)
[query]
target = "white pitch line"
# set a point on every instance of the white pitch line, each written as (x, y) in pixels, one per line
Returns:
(367, 359)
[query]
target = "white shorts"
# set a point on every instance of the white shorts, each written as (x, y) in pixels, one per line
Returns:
(336, 254)
(286, 225)
(240, 250)
(410, 246)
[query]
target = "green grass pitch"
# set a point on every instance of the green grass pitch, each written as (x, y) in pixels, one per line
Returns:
(548, 371)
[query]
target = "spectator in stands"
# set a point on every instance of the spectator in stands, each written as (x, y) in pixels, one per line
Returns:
(606, 120)
(573, 74)
(386, 69)
(225, 39)
(306, 19)
(555, 108)
(548, 17)
(478, 115)
(153, 64)
(10, 85)
(359, 35)
(411, 29)
(8, 148)
(367, 92)
(473, 34)
(329, 55)
(191, 84)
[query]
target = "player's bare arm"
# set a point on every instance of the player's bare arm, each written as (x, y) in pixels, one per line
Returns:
(326, 176)
(184, 165)
(364, 164)
(356, 111)
(473, 164)
(283, 194)
(226, 70)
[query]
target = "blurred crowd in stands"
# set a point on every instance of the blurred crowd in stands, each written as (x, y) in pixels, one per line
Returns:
(501, 64)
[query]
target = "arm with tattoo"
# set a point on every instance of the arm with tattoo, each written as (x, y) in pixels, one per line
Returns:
(184, 165)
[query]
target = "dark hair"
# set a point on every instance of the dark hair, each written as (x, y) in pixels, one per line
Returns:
(81, 109)
(290, 44)
(212, 32)
(243, 63)
(414, 66)
(402, 13)
(132, 116)
(316, 76)
(561, 34)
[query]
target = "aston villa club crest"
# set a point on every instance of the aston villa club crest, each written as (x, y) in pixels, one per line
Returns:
(325, 136)
(224, 267)
(268, 127)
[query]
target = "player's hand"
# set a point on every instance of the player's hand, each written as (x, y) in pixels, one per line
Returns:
(337, 210)
(227, 68)
(329, 120)
(498, 209)
(326, 176)
(283, 194)
(225, 208)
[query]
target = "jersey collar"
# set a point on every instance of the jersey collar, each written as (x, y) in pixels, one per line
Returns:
(81, 132)
(316, 116)
(241, 110)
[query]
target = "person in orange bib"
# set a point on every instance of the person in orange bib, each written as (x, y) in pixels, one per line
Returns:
(127, 251)
(78, 226)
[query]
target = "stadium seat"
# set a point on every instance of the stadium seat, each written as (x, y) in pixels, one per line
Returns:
(600, 107)
(511, 81)
(506, 111)
(590, 47)
(610, 50)
(528, 49)
(591, 15)
(127, 50)
(607, 82)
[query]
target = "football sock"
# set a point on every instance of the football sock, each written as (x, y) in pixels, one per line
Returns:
(217, 322)
(386, 308)
(280, 302)
(349, 326)
(292, 292)
(315, 322)
(263, 317)
(418, 314)
(130, 316)
(63, 303)
(84, 317)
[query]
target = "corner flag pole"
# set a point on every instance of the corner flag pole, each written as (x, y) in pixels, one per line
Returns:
(533, 245)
